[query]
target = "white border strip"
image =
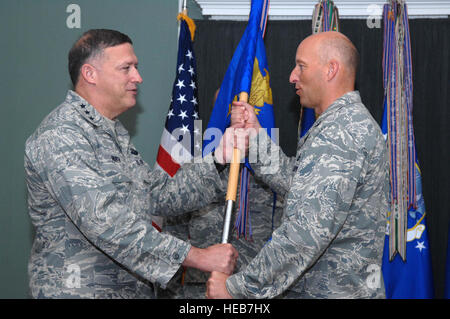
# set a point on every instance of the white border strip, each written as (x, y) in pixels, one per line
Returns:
(289, 8)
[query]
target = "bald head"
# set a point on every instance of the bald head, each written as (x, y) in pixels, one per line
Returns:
(335, 45)
(325, 69)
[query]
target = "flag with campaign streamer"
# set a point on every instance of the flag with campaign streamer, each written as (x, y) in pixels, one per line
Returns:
(325, 18)
(406, 264)
(247, 72)
(179, 142)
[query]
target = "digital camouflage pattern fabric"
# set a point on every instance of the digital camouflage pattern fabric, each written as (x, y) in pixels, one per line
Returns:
(90, 198)
(330, 242)
(204, 228)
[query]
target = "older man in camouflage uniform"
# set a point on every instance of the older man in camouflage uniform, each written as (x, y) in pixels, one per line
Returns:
(330, 242)
(91, 195)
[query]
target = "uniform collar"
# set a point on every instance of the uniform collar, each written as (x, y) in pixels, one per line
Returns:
(86, 110)
(346, 99)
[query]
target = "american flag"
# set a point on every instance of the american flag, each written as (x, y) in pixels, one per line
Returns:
(181, 139)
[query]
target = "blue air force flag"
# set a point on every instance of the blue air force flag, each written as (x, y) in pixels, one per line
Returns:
(247, 72)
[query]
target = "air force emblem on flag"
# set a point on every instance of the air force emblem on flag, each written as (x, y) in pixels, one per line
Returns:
(260, 93)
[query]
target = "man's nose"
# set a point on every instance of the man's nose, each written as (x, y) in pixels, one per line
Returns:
(137, 77)
(293, 78)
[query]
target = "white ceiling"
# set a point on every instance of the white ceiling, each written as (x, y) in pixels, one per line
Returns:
(292, 9)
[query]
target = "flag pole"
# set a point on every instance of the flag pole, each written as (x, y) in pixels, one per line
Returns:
(232, 184)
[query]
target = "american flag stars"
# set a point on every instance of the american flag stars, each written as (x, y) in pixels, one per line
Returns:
(183, 109)
(181, 98)
(180, 84)
(189, 55)
(182, 114)
(179, 134)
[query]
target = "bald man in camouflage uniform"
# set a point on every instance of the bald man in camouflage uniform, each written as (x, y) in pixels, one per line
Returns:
(91, 195)
(330, 242)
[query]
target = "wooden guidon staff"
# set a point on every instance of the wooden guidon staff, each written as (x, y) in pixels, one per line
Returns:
(233, 178)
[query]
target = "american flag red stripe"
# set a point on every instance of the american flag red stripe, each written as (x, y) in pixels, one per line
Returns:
(166, 162)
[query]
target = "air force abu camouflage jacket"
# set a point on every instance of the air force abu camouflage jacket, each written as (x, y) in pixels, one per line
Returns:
(90, 196)
(330, 242)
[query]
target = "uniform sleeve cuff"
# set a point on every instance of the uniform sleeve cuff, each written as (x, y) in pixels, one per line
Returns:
(235, 286)
(180, 254)
(177, 254)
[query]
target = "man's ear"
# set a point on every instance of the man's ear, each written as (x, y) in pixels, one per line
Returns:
(333, 68)
(89, 73)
